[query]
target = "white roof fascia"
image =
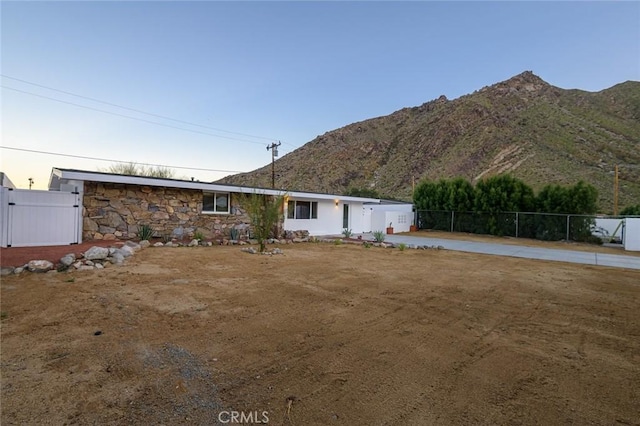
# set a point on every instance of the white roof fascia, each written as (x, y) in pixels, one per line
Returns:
(343, 198)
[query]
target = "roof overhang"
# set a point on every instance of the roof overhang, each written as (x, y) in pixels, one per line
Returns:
(64, 175)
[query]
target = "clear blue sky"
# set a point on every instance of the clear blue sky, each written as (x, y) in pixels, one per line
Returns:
(285, 71)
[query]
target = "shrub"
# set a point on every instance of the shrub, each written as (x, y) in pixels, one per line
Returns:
(337, 242)
(631, 211)
(134, 169)
(347, 233)
(366, 244)
(378, 236)
(145, 232)
(402, 246)
(265, 213)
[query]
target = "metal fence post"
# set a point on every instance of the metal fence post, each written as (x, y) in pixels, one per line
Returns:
(568, 216)
(453, 215)
(516, 224)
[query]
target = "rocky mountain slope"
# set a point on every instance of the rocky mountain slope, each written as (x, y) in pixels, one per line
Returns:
(523, 126)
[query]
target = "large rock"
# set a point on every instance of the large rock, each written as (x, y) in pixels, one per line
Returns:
(112, 219)
(125, 251)
(103, 229)
(7, 270)
(96, 253)
(160, 215)
(67, 260)
(135, 246)
(117, 258)
(89, 224)
(40, 266)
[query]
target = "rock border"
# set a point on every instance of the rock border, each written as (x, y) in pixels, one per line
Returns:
(97, 258)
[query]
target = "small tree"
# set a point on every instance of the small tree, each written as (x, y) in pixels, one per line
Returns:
(265, 212)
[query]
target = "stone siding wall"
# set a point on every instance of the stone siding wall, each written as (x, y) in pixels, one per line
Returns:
(113, 211)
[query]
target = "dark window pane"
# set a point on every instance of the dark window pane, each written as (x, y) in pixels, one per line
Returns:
(207, 202)
(291, 209)
(314, 210)
(303, 210)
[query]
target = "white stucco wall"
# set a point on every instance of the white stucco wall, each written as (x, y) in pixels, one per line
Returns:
(400, 220)
(399, 215)
(632, 234)
(329, 221)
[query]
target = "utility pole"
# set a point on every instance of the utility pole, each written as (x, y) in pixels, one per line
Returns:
(615, 191)
(616, 182)
(30, 182)
(274, 153)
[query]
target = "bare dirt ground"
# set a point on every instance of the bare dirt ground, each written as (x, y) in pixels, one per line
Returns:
(322, 335)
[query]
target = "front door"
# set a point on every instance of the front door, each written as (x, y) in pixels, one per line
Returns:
(345, 216)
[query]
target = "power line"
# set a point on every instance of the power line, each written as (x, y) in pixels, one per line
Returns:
(131, 118)
(136, 110)
(118, 161)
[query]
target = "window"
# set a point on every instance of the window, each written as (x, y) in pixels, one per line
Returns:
(302, 209)
(214, 202)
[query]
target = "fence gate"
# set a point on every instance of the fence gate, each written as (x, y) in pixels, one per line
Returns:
(39, 218)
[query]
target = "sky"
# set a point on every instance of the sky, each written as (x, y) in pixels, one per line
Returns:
(208, 85)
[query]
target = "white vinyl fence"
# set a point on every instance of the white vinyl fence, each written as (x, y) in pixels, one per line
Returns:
(39, 218)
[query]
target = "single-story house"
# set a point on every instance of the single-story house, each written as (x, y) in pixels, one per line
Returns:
(115, 206)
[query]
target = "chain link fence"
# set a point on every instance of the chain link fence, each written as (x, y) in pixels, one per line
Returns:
(540, 226)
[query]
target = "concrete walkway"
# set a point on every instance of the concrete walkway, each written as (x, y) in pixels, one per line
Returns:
(572, 256)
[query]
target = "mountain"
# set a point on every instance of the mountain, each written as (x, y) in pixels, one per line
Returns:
(523, 126)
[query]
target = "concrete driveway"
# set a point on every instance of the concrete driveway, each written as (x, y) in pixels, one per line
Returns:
(572, 256)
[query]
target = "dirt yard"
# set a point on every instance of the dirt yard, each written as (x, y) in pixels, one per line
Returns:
(322, 335)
